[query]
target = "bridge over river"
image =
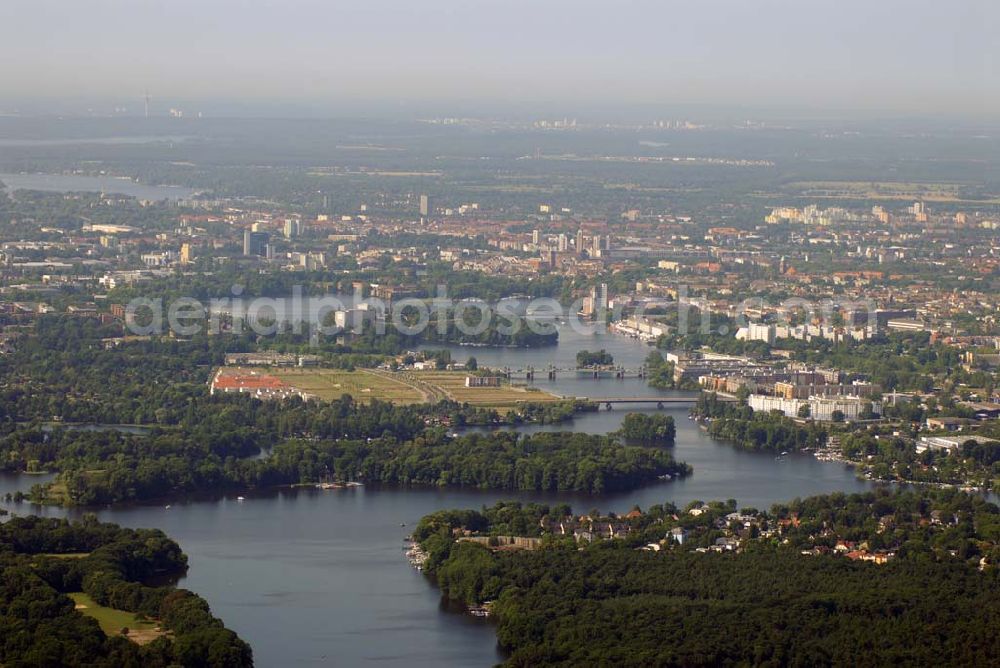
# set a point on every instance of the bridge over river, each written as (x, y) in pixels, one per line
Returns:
(580, 373)
(659, 402)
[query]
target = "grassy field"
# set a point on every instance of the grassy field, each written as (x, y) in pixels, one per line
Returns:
(407, 387)
(888, 190)
(452, 383)
(58, 494)
(363, 385)
(113, 621)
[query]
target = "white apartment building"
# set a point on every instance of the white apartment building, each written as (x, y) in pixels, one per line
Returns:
(820, 408)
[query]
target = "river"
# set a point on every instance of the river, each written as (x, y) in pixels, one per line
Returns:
(314, 577)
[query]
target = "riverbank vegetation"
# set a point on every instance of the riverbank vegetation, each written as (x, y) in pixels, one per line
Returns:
(973, 463)
(466, 327)
(885, 453)
(782, 596)
(659, 372)
(646, 429)
(586, 358)
(41, 625)
(746, 429)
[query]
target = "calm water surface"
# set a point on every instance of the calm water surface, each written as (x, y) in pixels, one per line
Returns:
(318, 577)
(98, 184)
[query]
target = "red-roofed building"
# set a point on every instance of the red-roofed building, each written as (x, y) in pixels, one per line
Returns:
(260, 385)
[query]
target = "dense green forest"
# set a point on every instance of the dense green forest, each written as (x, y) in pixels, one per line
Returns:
(642, 428)
(39, 625)
(101, 467)
(765, 604)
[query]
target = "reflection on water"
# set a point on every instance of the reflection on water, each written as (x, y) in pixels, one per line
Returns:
(12, 482)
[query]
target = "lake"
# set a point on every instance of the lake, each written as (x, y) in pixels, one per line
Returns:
(71, 183)
(106, 141)
(311, 577)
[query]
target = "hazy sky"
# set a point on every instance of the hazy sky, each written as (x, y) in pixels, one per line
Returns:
(924, 56)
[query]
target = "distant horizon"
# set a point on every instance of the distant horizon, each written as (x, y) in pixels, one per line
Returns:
(911, 57)
(484, 110)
